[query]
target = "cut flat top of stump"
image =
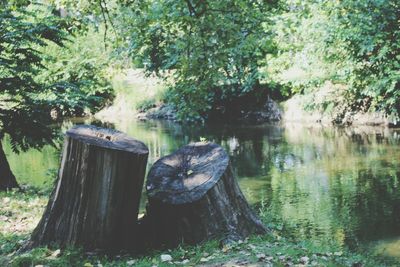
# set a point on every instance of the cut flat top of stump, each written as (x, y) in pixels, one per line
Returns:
(187, 174)
(107, 138)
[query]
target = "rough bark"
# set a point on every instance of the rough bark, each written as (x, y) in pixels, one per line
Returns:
(7, 178)
(96, 200)
(193, 196)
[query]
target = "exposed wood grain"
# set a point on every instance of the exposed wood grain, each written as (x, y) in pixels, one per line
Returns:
(193, 196)
(95, 202)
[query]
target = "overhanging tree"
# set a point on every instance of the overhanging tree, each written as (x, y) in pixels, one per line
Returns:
(27, 96)
(352, 44)
(212, 49)
(369, 32)
(22, 115)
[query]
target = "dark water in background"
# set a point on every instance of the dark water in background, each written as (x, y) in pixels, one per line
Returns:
(339, 184)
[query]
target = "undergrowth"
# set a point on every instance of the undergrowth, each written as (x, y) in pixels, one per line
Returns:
(20, 212)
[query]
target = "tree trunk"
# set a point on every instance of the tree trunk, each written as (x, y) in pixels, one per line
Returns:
(95, 203)
(193, 197)
(7, 178)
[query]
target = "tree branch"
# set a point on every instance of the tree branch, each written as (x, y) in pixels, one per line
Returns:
(103, 13)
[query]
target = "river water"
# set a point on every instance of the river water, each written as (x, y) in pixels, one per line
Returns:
(329, 184)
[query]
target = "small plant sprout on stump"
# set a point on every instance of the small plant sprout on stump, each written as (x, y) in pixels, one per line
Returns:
(95, 203)
(193, 196)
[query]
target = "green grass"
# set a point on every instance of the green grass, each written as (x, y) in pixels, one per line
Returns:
(20, 212)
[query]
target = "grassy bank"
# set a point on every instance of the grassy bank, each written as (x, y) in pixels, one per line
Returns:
(134, 92)
(20, 212)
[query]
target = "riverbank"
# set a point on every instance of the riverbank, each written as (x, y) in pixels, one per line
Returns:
(134, 93)
(20, 212)
(294, 110)
(311, 185)
(141, 97)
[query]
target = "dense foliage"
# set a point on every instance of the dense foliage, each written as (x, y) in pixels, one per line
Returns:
(227, 56)
(221, 56)
(352, 44)
(77, 74)
(44, 72)
(209, 51)
(22, 114)
(369, 32)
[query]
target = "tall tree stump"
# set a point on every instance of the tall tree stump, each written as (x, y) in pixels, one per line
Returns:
(95, 203)
(193, 196)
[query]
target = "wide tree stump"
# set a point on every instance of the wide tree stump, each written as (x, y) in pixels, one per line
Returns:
(193, 196)
(95, 203)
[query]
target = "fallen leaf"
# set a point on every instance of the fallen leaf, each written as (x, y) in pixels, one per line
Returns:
(225, 249)
(260, 256)
(131, 262)
(166, 257)
(304, 259)
(56, 253)
(203, 259)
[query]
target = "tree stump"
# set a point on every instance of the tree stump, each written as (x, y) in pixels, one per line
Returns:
(95, 203)
(193, 196)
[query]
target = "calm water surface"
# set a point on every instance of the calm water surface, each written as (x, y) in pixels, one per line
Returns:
(339, 184)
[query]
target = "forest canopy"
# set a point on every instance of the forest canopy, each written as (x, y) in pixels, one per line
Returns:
(215, 53)
(224, 56)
